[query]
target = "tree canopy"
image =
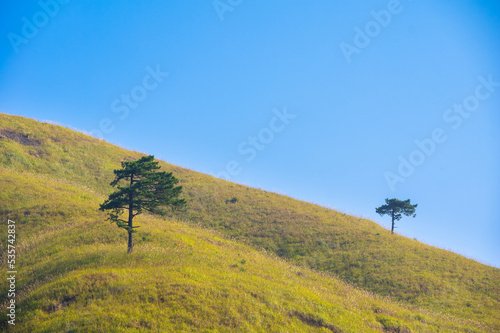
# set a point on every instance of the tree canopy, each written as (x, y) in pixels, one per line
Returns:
(396, 209)
(147, 189)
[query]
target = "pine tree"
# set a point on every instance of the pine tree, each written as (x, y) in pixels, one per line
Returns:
(147, 190)
(395, 208)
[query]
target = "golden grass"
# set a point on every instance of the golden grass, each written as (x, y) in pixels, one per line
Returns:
(71, 171)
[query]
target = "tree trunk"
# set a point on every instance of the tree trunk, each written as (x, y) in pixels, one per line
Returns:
(130, 243)
(130, 217)
(392, 229)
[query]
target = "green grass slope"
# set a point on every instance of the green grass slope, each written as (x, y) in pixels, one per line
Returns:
(357, 250)
(74, 276)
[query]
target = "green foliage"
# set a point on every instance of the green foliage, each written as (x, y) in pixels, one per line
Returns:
(393, 325)
(148, 190)
(233, 200)
(396, 208)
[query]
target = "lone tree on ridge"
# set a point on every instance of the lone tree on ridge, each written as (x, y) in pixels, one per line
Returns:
(148, 189)
(395, 208)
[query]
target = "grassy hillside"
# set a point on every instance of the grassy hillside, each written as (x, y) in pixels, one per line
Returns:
(357, 250)
(75, 276)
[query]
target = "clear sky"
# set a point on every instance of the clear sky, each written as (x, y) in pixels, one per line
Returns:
(340, 103)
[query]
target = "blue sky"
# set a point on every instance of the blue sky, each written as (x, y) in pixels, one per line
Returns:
(338, 103)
